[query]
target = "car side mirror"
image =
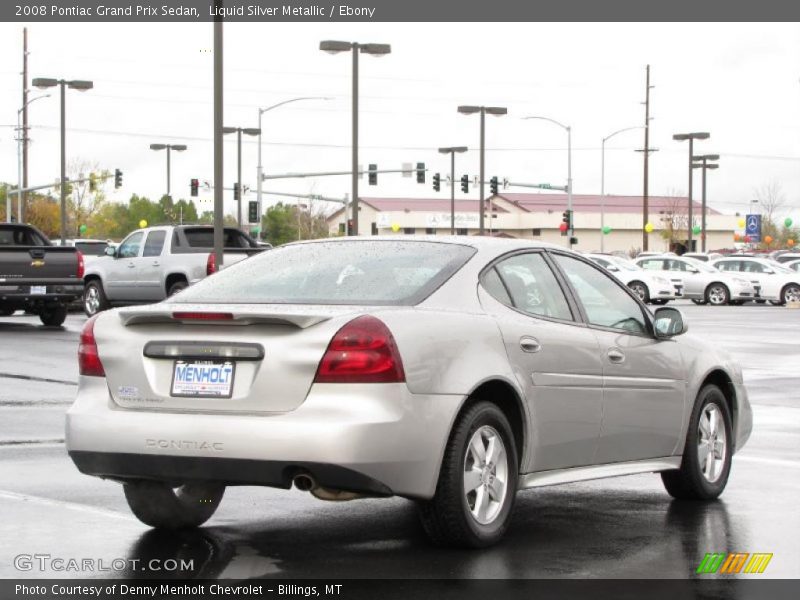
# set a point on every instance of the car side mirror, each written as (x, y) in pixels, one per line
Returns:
(669, 322)
(691, 270)
(111, 251)
(768, 271)
(612, 268)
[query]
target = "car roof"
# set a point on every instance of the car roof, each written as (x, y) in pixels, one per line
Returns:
(475, 241)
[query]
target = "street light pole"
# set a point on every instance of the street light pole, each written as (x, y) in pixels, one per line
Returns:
(239, 131)
(568, 129)
(260, 168)
(21, 141)
(334, 47)
(168, 148)
(452, 150)
(81, 86)
(483, 110)
(700, 135)
(603, 183)
(701, 162)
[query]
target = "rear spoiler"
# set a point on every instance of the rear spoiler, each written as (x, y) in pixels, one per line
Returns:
(131, 317)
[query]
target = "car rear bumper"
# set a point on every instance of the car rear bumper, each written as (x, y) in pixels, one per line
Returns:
(371, 438)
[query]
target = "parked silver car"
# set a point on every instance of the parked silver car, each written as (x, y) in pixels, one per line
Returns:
(703, 284)
(651, 287)
(448, 370)
(778, 283)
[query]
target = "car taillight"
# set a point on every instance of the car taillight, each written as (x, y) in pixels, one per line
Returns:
(81, 264)
(211, 264)
(88, 357)
(363, 351)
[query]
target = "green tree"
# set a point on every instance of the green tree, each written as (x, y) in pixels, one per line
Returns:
(279, 224)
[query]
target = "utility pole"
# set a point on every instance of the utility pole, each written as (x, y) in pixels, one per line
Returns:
(645, 188)
(24, 132)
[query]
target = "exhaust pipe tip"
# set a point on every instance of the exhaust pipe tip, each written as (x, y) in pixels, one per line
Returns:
(304, 482)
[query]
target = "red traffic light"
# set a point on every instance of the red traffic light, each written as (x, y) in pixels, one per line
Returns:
(563, 227)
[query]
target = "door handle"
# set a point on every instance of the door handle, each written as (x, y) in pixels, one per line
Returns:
(156, 263)
(615, 355)
(131, 265)
(529, 344)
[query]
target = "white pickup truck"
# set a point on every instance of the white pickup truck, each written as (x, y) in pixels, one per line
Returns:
(153, 263)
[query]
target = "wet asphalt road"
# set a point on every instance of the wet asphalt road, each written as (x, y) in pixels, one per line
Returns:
(625, 527)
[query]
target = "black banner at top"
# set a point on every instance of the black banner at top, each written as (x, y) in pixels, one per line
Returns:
(398, 10)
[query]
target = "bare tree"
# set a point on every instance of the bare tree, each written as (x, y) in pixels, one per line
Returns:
(86, 197)
(771, 200)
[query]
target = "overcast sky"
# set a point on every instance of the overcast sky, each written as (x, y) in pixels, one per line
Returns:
(153, 83)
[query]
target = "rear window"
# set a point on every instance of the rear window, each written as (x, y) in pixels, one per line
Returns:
(352, 272)
(92, 248)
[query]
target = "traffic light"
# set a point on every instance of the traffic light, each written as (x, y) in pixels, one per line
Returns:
(437, 182)
(117, 179)
(420, 172)
(194, 184)
(236, 194)
(349, 226)
(252, 211)
(465, 183)
(566, 222)
(493, 185)
(373, 175)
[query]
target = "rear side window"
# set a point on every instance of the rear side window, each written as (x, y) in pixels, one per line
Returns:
(728, 265)
(203, 237)
(528, 284)
(154, 243)
(350, 272)
(653, 264)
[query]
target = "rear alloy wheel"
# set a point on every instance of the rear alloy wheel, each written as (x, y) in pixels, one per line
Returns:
(54, 316)
(708, 451)
(640, 289)
(94, 298)
(790, 293)
(717, 294)
(158, 505)
(477, 483)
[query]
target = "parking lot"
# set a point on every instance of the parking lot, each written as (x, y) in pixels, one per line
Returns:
(624, 527)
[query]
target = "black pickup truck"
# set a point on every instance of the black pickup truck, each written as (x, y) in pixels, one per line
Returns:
(37, 276)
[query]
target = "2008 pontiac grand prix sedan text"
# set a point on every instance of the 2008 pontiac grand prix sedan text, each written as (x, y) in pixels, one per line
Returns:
(451, 371)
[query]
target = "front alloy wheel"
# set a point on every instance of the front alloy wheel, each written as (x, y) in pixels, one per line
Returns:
(477, 481)
(640, 289)
(717, 294)
(791, 293)
(708, 451)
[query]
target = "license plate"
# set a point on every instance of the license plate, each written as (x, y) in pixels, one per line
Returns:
(38, 290)
(203, 379)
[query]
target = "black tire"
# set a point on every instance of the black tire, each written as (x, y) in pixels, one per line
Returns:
(736, 302)
(760, 301)
(158, 505)
(689, 482)
(7, 312)
(790, 293)
(94, 298)
(177, 287)
(53, 316)
(659, 301)
(717, 294)
(641, 290)
(447, 518)
(699, 302)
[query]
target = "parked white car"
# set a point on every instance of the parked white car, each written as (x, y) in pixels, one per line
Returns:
(703, 283)
(779, 284)
(703, 256)
(794, 265)
(650, 287)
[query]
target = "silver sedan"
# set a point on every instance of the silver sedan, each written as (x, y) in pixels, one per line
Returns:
(452, 371)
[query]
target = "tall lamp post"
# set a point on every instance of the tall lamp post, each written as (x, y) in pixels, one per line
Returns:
(168, 148)
(20, 142)
(260, 168)
(568, 129)
(452, 151)
(497, 111)
(702, 162)
(603, 181)
(334, 47)
(81, 86)
(239, 131)
(680, 137)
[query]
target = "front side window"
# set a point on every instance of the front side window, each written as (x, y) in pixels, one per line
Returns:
(526, 283)
(130, 247)
(606, 303)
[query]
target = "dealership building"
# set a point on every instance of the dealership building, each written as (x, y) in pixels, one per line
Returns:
(539, 216)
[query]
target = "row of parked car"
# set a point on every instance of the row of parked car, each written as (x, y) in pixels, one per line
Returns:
(150, 264)
(708, 278)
